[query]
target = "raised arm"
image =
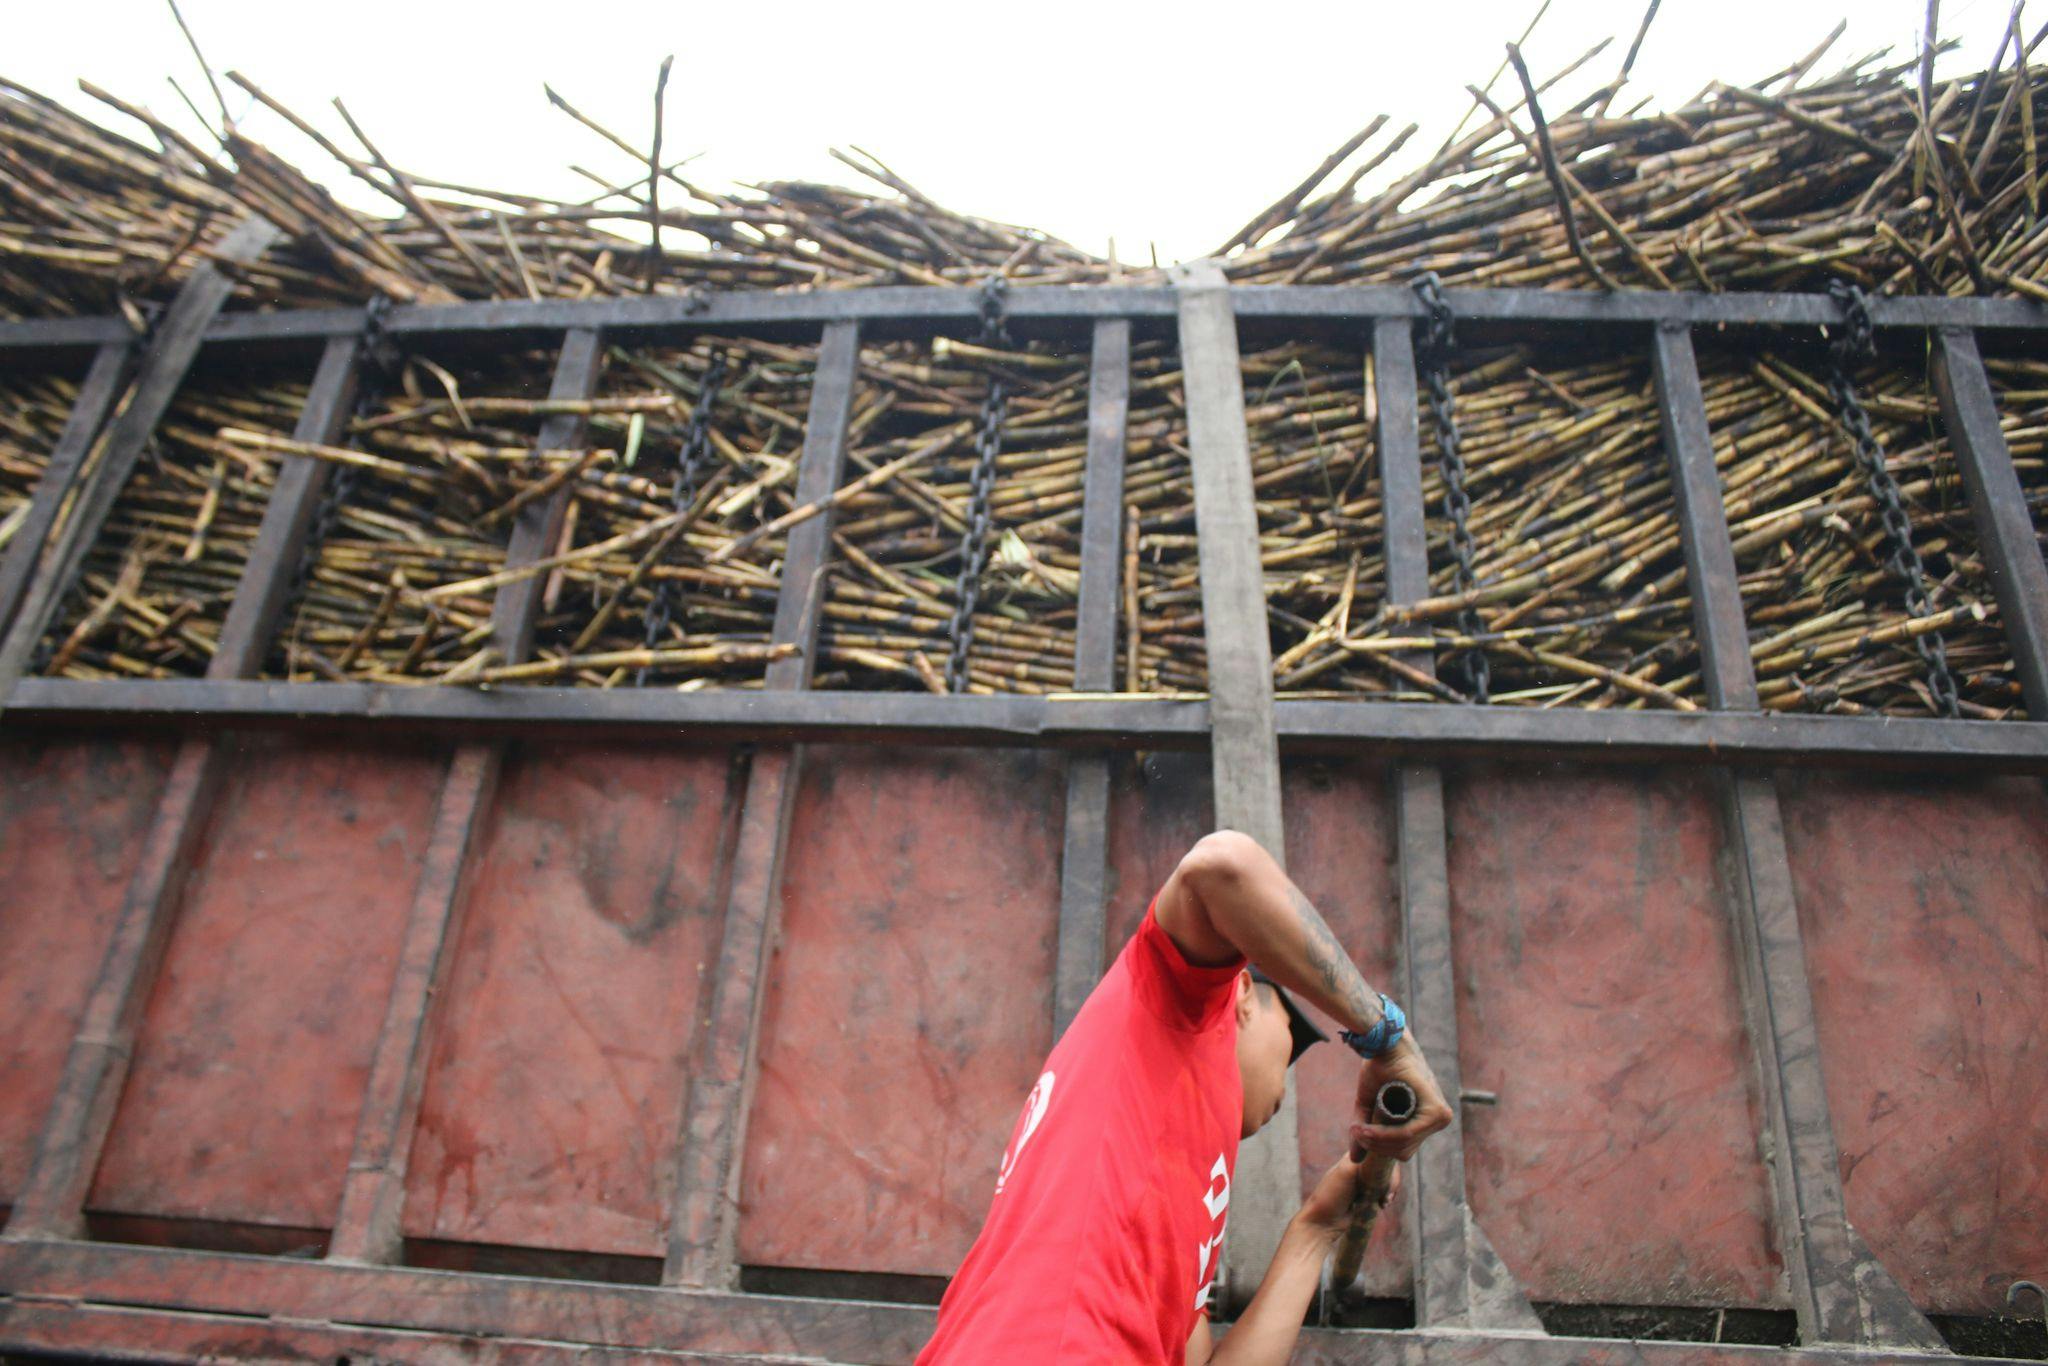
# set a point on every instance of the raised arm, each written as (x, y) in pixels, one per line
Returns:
(1228, 896)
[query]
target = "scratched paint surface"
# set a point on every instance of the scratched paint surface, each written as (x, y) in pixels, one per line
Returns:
(256, 1042)
(1597, 995)
(73, 816)
(908, 1006)
(1159, 805)
(1340, 853)
(562, 1046)
(1924, 907)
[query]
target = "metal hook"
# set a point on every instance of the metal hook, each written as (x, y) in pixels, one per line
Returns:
(2012, 1297)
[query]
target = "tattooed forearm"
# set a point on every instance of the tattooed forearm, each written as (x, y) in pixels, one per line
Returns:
(1339, 976)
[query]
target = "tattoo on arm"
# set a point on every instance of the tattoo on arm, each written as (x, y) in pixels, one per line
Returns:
(1333, 967)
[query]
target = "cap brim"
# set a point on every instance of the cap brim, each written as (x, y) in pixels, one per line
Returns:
(1299, 1026)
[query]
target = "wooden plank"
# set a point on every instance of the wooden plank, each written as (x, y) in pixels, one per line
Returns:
(52, 1198)
(1725, 664)
(373, 1193)
(1840, 1291)
(88, 411)
(1102, 518)
(711, 1132)
(900, 310)
(823, 463)
(480, 1310)
(1084, 857)
(516, 606)
(287, 518)
(75, 1331)
(1243, 748)
(2005, 529)
(725, 716)
(75, 810)
(75, 1129)
(170, 356)
(1459, 1279)
(366, 1228)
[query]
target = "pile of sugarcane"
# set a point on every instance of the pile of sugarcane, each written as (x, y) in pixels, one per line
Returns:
(1828, 626)
(92, 221)
(33, 409)
(2020, 389)
(1876, 174)
(153, 593)
(1927, 189)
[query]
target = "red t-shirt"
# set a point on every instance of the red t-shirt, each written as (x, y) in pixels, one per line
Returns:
(1102, 1241)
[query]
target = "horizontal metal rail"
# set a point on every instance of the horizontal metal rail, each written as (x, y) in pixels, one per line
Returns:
(628, 318)
(1428, 730)
(1107, 721)
(276, 1300)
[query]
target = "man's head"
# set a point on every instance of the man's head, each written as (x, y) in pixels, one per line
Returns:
(1271, 1034)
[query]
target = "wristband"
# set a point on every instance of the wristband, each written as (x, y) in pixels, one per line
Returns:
(1380, 1040)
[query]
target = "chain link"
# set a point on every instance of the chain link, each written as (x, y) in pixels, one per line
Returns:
(378, 367)
(1856, 343)
(662, 604)
(1439, 340)
(988, 444)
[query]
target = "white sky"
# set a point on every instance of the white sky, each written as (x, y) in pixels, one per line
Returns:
(1149, 123)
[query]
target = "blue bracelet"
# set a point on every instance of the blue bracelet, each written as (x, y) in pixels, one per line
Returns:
(1380, 1040)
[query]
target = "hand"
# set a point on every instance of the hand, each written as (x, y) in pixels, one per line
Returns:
(1327, 1210)
(1404, 1063)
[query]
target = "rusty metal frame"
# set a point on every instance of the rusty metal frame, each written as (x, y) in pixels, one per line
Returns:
(225, 1304)
(57, 1288)
(1460, 1281)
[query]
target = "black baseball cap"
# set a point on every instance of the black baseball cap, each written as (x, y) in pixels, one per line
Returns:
(1299, 1025)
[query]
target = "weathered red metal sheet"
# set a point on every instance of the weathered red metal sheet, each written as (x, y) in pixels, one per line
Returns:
(73, 814)
(1924, 907)
(909, 1004)
(1159, 805)
(563, 1039)
(241, 1102)
(1598, 996)
(1341, 853)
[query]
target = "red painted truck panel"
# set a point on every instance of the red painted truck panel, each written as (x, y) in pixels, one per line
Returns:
(73, 815)
(1598, 997)
(1924, 907)
(1340, 852)
(908, 1006)
(241, 1101)
(564, 1034)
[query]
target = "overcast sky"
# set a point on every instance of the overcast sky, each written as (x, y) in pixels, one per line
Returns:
(1152, 124)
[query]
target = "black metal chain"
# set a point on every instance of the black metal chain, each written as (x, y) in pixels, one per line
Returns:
(988, 444)
(1439, 340)
(1855, 343)
(695, 454)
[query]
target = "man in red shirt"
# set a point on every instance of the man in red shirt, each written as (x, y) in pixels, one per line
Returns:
(1102, 1242)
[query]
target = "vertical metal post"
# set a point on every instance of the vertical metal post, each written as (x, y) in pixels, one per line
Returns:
(170, 356)
(1084, 861)
(2005, 529)
(711, 1134)
(67, 459)
(1244, 753)
(367, 1227)
(1839, 1289)
(1460, 1281)
(75, 1130)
